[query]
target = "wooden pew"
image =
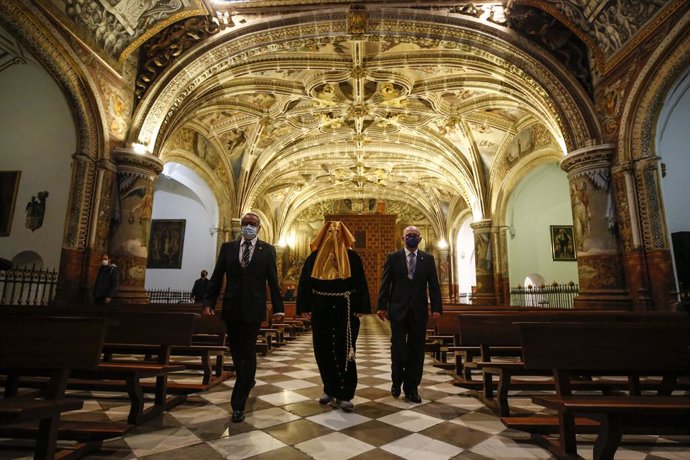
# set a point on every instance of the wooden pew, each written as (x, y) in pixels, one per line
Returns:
(208, 338)
(497, 338)
(139, 333)
(209, 344)
(634, 350)
(55, 345)
(444, 339)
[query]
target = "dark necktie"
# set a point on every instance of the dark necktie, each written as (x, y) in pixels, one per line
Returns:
(411, 264)
(246, 254)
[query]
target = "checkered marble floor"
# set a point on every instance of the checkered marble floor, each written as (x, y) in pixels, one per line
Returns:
(285, 421)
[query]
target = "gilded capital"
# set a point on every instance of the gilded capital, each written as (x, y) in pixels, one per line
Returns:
(144, 166)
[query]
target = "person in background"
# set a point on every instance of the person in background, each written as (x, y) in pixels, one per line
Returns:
(333, 292)
(248, 265)
(200, 288)
(408, 282)
(107, 282)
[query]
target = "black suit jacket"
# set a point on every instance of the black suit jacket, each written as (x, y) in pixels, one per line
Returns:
(400, 295)
(245, 290)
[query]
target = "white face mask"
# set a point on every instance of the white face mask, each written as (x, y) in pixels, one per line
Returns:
(249, 232)
(105, 262)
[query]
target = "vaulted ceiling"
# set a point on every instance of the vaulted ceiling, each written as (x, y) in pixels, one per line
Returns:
(282, 105)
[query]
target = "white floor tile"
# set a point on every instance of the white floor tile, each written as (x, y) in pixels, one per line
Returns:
(410, 420)
(338, 420)
(417, 447)
(283, 398)
(334, 446)
(246, 445)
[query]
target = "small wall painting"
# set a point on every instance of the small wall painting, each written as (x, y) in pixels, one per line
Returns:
(166, 243)
(562, 242)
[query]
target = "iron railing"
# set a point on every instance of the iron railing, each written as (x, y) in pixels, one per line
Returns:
(546, 296)
(27, 286)
(169, 296)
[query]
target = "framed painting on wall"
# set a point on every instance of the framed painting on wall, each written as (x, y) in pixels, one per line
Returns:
(562, 242)
(166, 243)
(9, 185)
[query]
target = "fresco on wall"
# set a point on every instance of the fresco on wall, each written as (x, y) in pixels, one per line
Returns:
(115, 28)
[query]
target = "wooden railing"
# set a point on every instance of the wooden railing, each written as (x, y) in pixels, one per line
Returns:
(547, 296)
(169, 296)
(27, 286)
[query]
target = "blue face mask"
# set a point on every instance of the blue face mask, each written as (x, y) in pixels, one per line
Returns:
(249, 232)
(412, 241)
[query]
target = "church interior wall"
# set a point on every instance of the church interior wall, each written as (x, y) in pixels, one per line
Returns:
(38, 137)
(181, 194)
(539, 201)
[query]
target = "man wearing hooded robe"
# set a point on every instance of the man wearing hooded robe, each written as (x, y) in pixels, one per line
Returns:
(333, 291)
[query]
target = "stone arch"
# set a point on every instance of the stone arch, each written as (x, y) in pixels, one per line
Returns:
(64, 67)
(572, 109)
(636, 137)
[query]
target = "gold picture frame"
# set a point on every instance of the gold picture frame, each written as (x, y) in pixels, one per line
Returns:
(166, 243)
(562, 242)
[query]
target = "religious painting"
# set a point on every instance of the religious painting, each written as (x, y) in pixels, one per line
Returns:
(9, 184)
(562, 242)
(166, 243)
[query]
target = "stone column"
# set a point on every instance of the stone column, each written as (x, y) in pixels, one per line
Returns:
(444, 273)
(73, 279)
(500, 265)
(483, 259)
(599, 263)
(643, 233)
(130, 232)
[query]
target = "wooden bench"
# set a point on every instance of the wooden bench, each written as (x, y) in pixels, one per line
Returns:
(443, 335)
(209, 344)
(138, 333)
(498, 340)
(54, 345)
(630, 349)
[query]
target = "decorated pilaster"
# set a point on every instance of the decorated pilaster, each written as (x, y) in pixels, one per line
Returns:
(645, 245)
(483, 248)
(444, 272)
(500, 265)
(132, 223)
(599, 263)
(73, 286)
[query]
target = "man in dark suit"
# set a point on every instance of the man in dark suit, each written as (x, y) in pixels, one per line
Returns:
(409, 281)
(248, 264)
(200, 287)
(107, 282)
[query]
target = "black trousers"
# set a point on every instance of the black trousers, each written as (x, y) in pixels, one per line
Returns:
(407, 353)
(329, 326)
(242, 340)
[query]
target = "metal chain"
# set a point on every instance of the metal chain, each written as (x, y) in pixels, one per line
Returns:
(350, 355)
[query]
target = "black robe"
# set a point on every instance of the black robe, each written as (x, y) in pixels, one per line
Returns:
(329, 323)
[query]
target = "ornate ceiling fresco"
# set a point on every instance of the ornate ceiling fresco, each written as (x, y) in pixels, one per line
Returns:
(285, 104)
(350, 116)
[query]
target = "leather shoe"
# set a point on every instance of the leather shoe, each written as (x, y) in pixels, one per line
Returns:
(395, 391)
(237, 416)
(413, 397)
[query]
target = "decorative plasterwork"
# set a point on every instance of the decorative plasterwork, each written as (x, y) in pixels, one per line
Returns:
(418, 105)
(640, 115)
(116, 29)
(11, 53)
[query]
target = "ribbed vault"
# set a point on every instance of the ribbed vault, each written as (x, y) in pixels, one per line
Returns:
(429, 111)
